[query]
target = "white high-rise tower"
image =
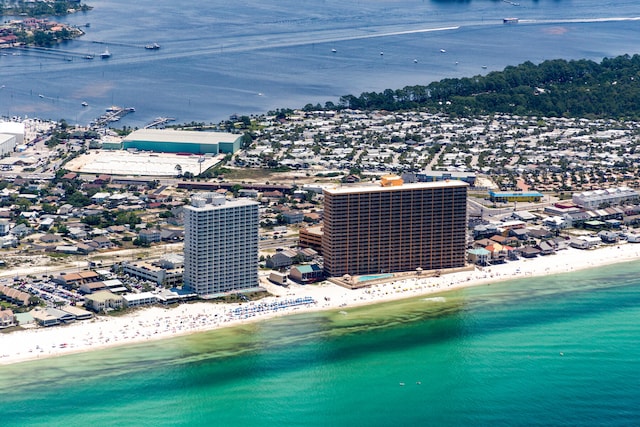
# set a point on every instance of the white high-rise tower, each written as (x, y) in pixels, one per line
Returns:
(220, 245)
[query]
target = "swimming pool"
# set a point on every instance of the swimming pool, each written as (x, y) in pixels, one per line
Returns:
(374, 277)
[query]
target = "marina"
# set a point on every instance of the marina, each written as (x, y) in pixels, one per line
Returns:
(113, 114)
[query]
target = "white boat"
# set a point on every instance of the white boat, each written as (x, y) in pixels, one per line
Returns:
(152, 46)
(106, 54)
(443, 51)
(85, 104)
(333, 50)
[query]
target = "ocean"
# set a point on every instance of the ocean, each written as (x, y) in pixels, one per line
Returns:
(553, 351)
(249, 57)
(558, 350)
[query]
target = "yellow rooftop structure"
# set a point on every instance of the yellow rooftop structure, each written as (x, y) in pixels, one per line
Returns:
(391, 181)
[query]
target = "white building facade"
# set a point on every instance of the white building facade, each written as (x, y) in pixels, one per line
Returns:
(613, 196)
(220, 245)
(7, 144)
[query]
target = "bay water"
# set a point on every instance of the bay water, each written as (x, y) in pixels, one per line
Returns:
(221, 58)
(553, 351)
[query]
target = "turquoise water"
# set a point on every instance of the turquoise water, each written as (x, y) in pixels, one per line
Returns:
(374, 277)
(559, 350)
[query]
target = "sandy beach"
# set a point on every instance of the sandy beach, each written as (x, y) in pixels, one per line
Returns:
(155, 323)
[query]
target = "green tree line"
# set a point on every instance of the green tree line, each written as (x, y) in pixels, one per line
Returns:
(554, 88)
(40, 8)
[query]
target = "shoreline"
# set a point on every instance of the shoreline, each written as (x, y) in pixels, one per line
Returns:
(157, 323)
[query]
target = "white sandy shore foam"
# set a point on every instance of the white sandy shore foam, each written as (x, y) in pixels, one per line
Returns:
(157, 323)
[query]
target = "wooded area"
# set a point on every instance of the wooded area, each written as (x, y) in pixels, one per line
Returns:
(554, 88)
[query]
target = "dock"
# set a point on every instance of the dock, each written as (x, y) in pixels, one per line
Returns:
(159, 121)
(113, 114)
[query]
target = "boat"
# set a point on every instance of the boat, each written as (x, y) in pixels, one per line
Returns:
(484, 67)
(85, 104)
(89, 56)
(333, 50)
(443, 51)
(106, 54)
(510, 21)
(381, 53)
(415, 61)
(152, 46)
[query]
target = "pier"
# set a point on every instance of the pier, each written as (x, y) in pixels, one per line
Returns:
(159, 121)
(113, 114)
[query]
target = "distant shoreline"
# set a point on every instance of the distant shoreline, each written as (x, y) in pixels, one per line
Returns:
(156, 323)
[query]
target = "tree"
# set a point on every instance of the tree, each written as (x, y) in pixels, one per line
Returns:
(48, 208)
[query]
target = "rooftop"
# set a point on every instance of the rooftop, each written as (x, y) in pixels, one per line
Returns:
(375, 188)
(181, 136)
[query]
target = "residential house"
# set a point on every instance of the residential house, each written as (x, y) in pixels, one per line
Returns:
(306, 273)
(585, 242)
(498, 253)
(21, 230)
(152, 235)
(104, 301)
(5, 226)
(77, 233)
(546, 247)
(100, 197)
(50, 238)
(609, 237)
(101, 242)
(282, 258)
(529, 252)
(7, 319)
(479, 256)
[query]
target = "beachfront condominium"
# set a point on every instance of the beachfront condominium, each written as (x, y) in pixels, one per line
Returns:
(394, 227)
(220, 245)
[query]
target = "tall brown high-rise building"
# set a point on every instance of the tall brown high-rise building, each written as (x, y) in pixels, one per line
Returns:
(394, 227)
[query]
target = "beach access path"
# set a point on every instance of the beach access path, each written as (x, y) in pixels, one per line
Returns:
(155, 323)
